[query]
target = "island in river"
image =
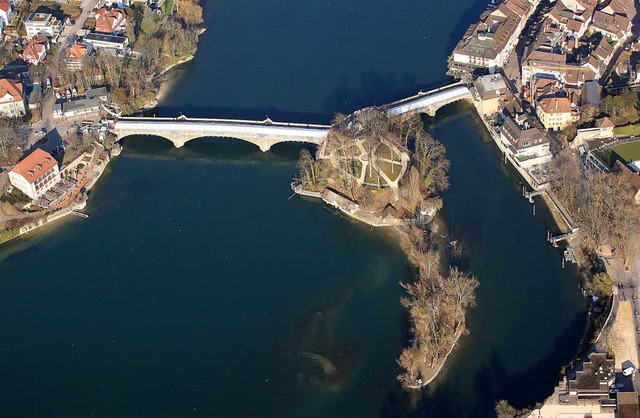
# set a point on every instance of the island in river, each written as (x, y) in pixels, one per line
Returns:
(491, 363)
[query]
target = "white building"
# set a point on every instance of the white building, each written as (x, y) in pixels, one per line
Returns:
(117, 44)
(36, 174)
(5, 9)
(43, 24)
(11, 98)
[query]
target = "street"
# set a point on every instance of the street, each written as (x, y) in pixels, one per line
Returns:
(64, 44)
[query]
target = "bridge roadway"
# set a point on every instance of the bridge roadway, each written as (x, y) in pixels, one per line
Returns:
(267, 133)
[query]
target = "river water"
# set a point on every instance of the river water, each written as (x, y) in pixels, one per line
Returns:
(198, 288)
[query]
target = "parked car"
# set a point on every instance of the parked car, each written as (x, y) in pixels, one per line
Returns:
(58, 96)
(64, 96)
(74, 92)
(629, 371)
(617, 386)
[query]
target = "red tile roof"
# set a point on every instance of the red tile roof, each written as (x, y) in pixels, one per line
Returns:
(555, 105)
(5, 5)
(35, 165)
(77, 52)
(108, 21)
(10, 87)
(35, 49)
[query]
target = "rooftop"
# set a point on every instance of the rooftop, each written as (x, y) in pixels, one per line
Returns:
(35, 165)
(97, 37)
(490, 86)
(555, 105)
(12, 88)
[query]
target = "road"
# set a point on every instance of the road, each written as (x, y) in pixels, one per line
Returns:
(64, 44)
(627, 282)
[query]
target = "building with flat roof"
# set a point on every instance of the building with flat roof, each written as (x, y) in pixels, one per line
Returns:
(109, 42)
(490, 89)
(43, 24)
(35, 174)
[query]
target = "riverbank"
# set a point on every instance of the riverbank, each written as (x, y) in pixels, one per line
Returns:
(166, 81)
(97, 160)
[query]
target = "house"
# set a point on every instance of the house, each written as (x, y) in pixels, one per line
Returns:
(43, 24)
(82, 107)
(591, 93)
(546, 64)
(116, 44)
(523, 140)
(488, 43)
(544, 87)
(603, 51)
(577, 76)
(99, 93)
(74, 57)
(630, 178)
(5, 10)
(616, 27)
(110, 21)
(592, 383)
(36, 49)
(11, 98)
(556, 113)
(36, 174)
(490, 90)
(572, 17)
(615, 7)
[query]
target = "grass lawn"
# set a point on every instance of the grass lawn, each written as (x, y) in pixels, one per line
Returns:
(527, 157)
(625, 153)
(391, 170)
(627, 130)
(374, 178)
(167, 7)
(356, 165)
(383, 151)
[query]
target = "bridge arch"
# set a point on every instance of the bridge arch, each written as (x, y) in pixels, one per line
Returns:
(179, 131)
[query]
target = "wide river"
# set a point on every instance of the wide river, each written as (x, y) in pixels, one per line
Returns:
(198, 288)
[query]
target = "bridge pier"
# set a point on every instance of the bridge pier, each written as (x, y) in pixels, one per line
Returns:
(265, 146)
(179, 142)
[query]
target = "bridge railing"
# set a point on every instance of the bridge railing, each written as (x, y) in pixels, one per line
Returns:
(422, 94)
(266, 122)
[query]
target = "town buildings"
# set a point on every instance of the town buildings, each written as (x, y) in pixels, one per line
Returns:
(489, 42)
(43, 24)
(110, 21)
(556, 113)
(11, 98)
(115, 44)
(36, 49)
(491, 89)
(5, 10)
(35, 174)
(75, 56)
(523, 139)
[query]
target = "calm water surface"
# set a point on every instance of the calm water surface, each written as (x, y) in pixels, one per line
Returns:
(198, 288)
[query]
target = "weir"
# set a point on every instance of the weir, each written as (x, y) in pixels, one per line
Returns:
(267, 133)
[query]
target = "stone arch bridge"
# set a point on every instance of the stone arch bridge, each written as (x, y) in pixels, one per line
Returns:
(267, 133)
